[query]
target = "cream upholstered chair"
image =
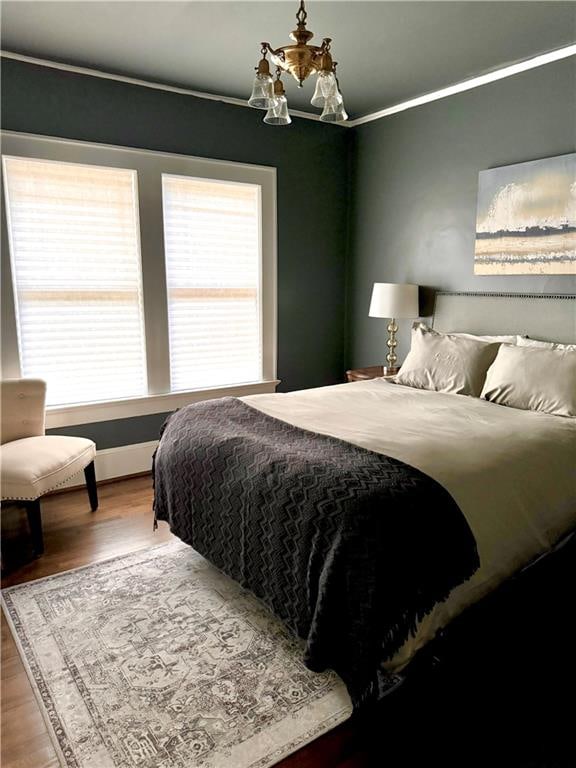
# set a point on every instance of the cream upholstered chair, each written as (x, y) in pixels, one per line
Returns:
(33, 463)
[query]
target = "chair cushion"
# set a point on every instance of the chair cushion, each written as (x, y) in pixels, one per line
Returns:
(33, 466)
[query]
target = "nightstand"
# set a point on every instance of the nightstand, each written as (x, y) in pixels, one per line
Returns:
(362, 374)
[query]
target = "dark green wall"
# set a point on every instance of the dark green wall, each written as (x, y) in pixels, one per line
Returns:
(413, 177)
(312, 168)
(414, 183)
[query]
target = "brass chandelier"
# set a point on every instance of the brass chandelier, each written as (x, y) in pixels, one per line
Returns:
(301, 60)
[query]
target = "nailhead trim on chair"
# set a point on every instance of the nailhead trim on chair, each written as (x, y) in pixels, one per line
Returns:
(52, 488)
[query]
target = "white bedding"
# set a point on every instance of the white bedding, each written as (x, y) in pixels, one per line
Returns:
(512, 472)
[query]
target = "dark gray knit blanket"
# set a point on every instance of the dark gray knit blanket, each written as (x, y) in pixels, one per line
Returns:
(348, 547)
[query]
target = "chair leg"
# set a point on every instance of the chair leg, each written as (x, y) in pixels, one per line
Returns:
(90, 476)
(35, 523)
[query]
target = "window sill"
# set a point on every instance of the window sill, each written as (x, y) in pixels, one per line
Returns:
(88, 413)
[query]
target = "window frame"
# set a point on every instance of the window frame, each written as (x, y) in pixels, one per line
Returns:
(149, 166)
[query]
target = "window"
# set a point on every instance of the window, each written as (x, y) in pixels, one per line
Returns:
(212, 247)
(76, 271)
(135, 282)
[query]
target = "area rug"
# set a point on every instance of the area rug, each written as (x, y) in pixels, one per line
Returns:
(158, 660)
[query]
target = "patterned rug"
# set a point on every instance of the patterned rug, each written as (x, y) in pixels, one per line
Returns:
(158, 660)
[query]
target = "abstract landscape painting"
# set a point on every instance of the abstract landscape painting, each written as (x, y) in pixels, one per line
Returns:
(526, 221)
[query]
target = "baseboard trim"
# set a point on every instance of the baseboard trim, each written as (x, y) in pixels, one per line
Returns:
(114, 463)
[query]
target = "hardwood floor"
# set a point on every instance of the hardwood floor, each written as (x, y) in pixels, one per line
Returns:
(503, 696)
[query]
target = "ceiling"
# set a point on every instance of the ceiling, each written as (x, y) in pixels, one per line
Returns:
(387, 52)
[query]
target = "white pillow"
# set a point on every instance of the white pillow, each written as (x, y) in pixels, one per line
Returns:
(524, 341)
(533, 379)
(506, 339)
(510, 339)
(444, 362)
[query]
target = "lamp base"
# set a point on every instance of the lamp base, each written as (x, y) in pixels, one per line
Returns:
(391, 369)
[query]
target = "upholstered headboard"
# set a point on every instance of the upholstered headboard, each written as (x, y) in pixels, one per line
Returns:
(540, 316)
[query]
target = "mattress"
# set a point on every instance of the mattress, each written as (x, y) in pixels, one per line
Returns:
(511, 472)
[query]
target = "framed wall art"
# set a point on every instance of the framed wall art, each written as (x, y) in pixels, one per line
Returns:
(526, 218)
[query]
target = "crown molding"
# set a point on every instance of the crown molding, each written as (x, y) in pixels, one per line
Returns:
(143, 83)
(467, 85)
(442, 93)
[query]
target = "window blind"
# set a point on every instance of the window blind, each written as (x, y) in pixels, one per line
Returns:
(212, 248)
(75, 250)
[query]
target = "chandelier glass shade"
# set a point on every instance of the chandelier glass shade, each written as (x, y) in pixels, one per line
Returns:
(300, 60)
(326, 87)
(277, 113)
(262, 92)
(334, 111)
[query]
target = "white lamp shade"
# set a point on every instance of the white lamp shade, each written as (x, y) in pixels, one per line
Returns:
(394, 300)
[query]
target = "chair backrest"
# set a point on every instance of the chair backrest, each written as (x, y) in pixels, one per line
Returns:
(22, 408)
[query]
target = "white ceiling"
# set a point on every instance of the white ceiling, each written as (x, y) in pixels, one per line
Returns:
(387, 52)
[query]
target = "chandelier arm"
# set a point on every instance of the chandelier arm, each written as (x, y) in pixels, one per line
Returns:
(278, 52)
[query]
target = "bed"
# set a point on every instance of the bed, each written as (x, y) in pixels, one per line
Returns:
(510, 473)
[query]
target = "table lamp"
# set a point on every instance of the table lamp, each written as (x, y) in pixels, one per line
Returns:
(393, 300)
